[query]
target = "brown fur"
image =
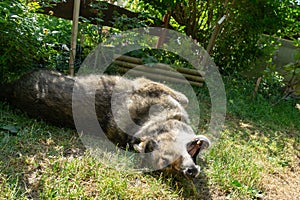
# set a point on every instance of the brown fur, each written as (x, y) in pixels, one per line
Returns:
(148, 116)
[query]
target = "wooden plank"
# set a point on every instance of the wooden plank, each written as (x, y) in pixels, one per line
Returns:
(167, 72)
(159, 65)
(109, 13)
(182, 70)
(127, 59)
(158, 77)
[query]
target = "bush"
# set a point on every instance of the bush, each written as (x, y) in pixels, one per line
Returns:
(17, 41)
(27, 39)
(236, 44)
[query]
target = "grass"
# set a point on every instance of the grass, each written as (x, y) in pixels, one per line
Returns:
(256, 157)
(259, 140)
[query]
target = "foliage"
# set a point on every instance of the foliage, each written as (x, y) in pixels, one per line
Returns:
(244, 105)
(27, 39)
(291, 71)
(152, 56)
(18, 45)
(237, 43)
(291, 27)
(237, 46)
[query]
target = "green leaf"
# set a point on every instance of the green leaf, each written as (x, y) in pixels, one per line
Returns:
(149, 59)
(236, 183)
(284, 163)
(11, 128)
(289, 66)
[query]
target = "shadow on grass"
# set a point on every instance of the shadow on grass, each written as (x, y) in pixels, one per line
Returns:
(31, 149)
(23, 158)
(196, 188)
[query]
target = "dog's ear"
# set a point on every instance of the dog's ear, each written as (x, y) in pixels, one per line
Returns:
(196, 145)
(178, 96)
(145, 146)
(146, 86)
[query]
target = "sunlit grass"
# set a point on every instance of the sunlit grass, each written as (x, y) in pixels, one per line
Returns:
(259, 142)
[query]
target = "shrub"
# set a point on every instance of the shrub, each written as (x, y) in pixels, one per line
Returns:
(27, 39)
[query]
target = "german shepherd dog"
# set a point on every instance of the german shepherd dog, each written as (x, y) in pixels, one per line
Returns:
(148, 116)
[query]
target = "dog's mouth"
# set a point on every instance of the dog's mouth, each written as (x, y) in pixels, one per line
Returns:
(194, 148)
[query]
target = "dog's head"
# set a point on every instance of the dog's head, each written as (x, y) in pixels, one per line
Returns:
(172, 145)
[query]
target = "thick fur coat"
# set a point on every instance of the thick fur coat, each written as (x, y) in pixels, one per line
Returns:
(148, 116)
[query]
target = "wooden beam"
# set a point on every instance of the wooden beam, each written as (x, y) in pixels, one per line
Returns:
(162, 71)
(158, 77)
(158, 71)
(139, 61)
(65, 9)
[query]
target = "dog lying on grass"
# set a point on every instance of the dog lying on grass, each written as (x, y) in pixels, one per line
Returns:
(148, 117)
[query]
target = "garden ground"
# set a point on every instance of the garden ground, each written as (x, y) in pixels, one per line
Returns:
(257, 157)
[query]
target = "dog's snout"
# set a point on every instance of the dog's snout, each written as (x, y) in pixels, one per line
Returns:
(192, 172)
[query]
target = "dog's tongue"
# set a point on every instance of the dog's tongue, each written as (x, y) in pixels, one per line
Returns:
(193, 148)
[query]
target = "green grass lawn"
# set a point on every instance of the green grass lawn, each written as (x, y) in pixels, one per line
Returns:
(256, 157)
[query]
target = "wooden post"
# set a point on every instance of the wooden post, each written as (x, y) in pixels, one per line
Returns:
(218, 27)
(256, 86)
(166, 20)
(76, 11)
(214, 35)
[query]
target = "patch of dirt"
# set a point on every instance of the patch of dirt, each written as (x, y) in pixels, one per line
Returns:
(217, 195)
(282, 185)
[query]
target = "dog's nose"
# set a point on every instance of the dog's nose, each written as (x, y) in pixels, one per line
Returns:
(192, 172)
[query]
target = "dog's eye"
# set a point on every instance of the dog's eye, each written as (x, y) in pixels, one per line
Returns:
(165, 162)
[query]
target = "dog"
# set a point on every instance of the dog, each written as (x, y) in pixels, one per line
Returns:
(148, 116)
